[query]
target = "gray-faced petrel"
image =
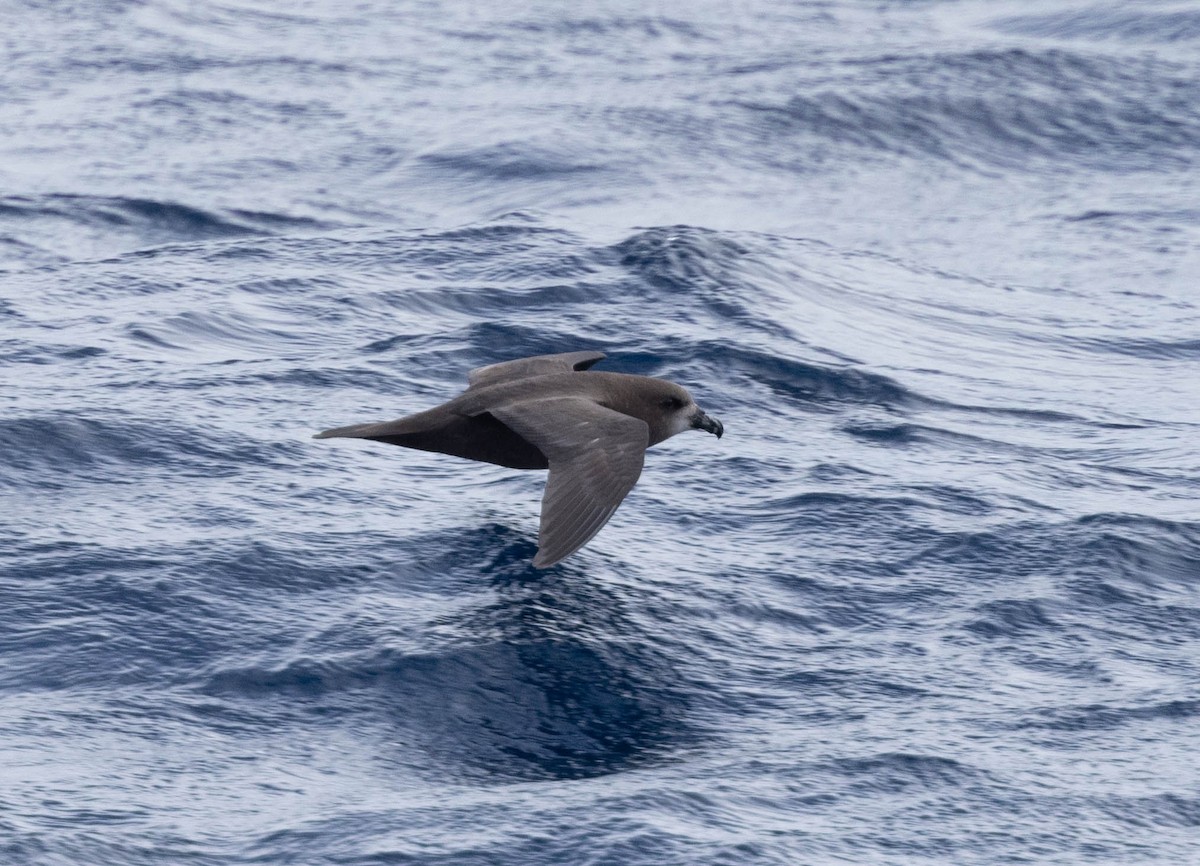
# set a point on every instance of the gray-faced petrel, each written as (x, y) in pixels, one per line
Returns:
(591, 430)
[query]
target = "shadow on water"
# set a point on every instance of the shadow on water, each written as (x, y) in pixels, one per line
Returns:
(547, 680)
(546, 675)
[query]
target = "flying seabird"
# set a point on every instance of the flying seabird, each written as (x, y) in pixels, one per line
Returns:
(590, 429)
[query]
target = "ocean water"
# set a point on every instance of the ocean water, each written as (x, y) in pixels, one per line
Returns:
(933, 599)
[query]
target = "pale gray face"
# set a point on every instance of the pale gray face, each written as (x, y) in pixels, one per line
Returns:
(673, 411)
(680, 414)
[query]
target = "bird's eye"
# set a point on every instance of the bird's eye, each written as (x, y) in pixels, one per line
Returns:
(671, 403)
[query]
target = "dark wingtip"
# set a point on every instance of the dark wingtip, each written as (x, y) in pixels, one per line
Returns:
(543, 559)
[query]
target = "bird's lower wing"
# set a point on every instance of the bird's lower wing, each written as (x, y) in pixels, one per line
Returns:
(595, 457)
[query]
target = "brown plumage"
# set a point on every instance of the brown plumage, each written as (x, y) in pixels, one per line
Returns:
(591, 430)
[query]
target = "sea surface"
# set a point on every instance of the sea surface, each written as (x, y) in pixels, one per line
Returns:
(933, 599)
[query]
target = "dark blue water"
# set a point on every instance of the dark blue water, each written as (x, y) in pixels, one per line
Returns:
(934, 598)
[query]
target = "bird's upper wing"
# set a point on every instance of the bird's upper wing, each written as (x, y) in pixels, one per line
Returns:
(538, 365)
(595, 457)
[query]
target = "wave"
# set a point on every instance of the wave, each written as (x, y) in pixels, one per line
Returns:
(1000, 109)
(61, 227)
(1104, 21)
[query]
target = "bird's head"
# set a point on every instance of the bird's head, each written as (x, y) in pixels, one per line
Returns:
(669, 409)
